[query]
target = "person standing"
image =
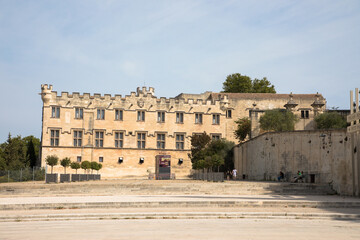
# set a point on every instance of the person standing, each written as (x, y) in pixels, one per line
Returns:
(234, 172)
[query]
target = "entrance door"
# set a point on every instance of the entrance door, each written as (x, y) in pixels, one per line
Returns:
(163, 167)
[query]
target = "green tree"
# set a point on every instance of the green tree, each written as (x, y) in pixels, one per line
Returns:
(328, 120)
(52, 161)
(14, 153)
(237, 83)
(99, 166)
(94, 166)
(198, 143)
(243, 128)
(278, 120)
(262, 86)
(65, 163)
(32, 152)
(75, 165)
(85, 165)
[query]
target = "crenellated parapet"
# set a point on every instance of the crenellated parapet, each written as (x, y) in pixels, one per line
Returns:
(143, 98)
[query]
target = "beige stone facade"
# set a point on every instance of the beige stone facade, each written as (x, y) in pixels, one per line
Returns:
(126, 133)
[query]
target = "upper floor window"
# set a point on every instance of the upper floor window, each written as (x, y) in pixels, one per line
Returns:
(198, 118)
(101, 114)
(180, 141)
(141, 140)
(229, 113)
(179, 117)
(141, 116)
(54, 137)
(78, 138)
(55, 112)
(119, 139)
(305, 114)
(99, 139)
(161, 116)
(79, 113)
(160, 141)
(118, 114)
(216, 118)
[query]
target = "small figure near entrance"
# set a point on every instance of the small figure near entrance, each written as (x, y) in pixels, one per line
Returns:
(234, 171)
(299, 176)
(281, 176)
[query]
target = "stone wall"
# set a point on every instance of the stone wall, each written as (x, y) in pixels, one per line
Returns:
(327, 156)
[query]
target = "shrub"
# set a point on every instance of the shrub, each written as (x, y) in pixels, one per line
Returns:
(75, 165)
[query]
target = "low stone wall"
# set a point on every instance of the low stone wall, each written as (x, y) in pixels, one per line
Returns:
(324, 156)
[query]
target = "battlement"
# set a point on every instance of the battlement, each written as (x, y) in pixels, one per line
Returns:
(144, 93)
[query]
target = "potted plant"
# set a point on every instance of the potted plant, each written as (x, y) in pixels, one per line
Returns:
(85, 165)
(76, 166)
(52, 161)
(65, 163)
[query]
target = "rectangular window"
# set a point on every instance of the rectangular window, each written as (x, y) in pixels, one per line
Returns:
(119, 139)
(79, 113)
(305, 114)
(161, 116)
(54, 137)
(141, 116)
(99, 139)
(55, 112)
(78, 138)
(179, 117)
(118, 114)
(101, 114)
(101, 159)
(216, 118)
(180, 141)
(215, 137)
(229, 113)
(78, 159)
(161, 141)
(198, 118)
(141, 139)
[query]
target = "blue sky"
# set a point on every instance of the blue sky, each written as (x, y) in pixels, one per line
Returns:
(175, 46)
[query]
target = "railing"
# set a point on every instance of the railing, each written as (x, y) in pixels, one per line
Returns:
(208, 176)
(22, 175)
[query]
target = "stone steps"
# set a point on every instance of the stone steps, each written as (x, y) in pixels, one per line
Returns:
(180, 215)
(164, 187)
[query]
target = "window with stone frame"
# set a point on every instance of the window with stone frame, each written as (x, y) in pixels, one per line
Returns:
(215, 136)
(161, 116)
(100, 114)
(179, 117)
(180, 141)
(198, 118)
(229, 113)
(79, 113)
(101, 159)
(141, 140)
(55, 112)
(54, 137)
(119, 139)
(119, 114)
(78, 135)
(99, 139)
(140, 116)
(160, 141)
(305, 114)
(216, 119)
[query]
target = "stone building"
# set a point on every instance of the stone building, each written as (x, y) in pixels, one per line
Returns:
(126, 134)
